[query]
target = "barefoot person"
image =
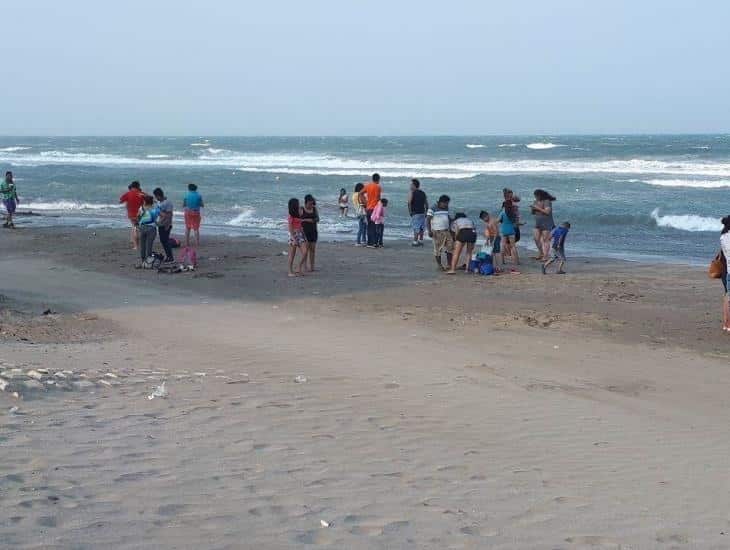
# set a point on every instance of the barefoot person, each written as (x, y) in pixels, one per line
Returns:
(558, 250)
(147, 219)
(310, 219)
(296, 237)
(10, 199)
(133, 199)
(343, 202)
(379, 221)
(417, 206)
(359, 201)
(438, 224)
(465, 236)
(542, 209)
(192, 203)
(725, 246)
(507, 231)
(372, 194)
(164, 223)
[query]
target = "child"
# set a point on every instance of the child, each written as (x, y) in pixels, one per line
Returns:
(296, 237)
(310, 219)
(147, 220)
(438, 225)
(558, 253)
(192, 203)
(10, 199)
(507, 232)
(378, 217)
(492, 240)
(164, 223)
(133, 199)
(465, 236)
(343, 202)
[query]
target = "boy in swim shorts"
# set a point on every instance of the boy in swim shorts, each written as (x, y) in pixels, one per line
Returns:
(192, 203)
(558, 236)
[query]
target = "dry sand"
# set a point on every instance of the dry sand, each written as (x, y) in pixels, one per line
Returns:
(581, 411)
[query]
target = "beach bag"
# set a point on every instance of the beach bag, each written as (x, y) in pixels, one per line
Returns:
(486, 269)
(718, 267)
(174, 243)
(474, 266)
(152, 262)
(189, 257)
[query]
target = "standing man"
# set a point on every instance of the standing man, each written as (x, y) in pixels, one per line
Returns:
(10, 199)
(438, 223)
(372, 191)
(417, 209)
(134, 199)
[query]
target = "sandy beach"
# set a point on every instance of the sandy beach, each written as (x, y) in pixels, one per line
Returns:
(375, 404)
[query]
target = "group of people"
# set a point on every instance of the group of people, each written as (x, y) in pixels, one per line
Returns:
(152, 215)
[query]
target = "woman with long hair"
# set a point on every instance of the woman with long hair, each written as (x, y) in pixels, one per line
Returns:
(296, 237)
(725, 246)
(310, 219)
(542, 209)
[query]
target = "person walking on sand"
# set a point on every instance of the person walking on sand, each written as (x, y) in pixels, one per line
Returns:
(417, 206)
(297, 241)
(542, 209)
(133, 199)
(558, 236)
(310, 219)
(192, 203)
(343, 202)
(725, 246)
(10, 199)
(465, 236)
(438, 225)
(359, 201)
(372, 194)
(164, 223)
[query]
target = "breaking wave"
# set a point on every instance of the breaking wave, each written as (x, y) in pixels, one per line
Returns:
(475, 146)
(698, 184)
(13, 149)
(67, 205)
(686, 222)
(540, 146)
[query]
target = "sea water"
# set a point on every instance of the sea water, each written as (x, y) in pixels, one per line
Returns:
(651, 198)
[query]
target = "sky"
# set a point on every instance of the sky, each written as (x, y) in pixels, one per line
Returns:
(355, 67)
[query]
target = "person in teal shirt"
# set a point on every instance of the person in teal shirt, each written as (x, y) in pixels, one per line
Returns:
(10, 198)
(192, 203)
(507, 232)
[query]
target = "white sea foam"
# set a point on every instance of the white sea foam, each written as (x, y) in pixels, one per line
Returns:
(698, 184)
(475, 146)
(13, 149)
(201, 144)
(508, 145)
(214, 151)
(67, 205)
(540, 146)
(158, 156)
(687, 222)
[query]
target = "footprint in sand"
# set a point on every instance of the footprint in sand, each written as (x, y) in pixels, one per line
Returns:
(593, 541)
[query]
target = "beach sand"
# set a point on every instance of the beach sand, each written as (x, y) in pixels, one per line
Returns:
(375, 404)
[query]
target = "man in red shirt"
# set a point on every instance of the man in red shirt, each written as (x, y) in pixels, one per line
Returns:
(134, 198)
(372, 191)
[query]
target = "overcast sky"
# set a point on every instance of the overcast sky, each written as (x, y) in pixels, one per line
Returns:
(308, 67)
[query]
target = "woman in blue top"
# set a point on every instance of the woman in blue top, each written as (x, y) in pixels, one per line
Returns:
(147, 219)
(507, 232)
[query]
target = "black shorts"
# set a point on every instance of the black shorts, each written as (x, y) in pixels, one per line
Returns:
(466, 236)
(310, 233)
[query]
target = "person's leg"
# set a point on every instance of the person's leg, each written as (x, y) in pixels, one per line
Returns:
(165, 242)
(539, 244)
(561, 264)
(515, 253)
(197, 237)
(292, 255)
(312, 249)
(469, 254)
(187, 235)
(304, 250)
(381, 230)
(726, 312)
(455, 257)
(438, 244)
(371, 228)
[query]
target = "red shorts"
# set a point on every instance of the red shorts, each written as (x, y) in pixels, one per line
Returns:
(192, 219)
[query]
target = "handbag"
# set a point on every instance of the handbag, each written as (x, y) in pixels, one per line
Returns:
(718, 267)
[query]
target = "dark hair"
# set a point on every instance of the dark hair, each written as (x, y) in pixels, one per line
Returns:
(506, 191)
(158, 192)
(459, 215)
(725, 224)
(483, 214)
(444, 198)
(376, 177)
(148, 200)
(8, 173)
(542, 195)
(359, 187)
(416, 183)
(566, 225)
(384, 202)
(343, 191)
(294, 208)
(309, 198)
(134, 185)
(192, 187)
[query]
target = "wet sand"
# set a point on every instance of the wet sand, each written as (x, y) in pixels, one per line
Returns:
(577, 411)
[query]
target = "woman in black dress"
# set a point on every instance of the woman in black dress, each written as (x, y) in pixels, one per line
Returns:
(310, 218)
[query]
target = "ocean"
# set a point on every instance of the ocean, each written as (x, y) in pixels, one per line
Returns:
(653, 198)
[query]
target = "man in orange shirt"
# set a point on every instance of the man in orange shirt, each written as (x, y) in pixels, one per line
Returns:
(134, 198)
(372, 191)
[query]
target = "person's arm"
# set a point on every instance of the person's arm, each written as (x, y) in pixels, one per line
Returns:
(429, 215)
(185, 202)
(201, 202)
(123, 198)
(542, 209)
(316, 215)
(410, 199)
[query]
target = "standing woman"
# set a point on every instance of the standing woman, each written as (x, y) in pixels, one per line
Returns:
(359, 201)
(296, 237)
(542, 209)
(465, 236)
(507, 231)
(725, 246)
(310, 219)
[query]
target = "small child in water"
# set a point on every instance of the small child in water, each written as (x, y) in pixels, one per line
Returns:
(343, 202)
(558, 236)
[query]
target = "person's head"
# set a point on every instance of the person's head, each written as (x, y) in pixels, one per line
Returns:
(415, 184)
(725, 224)
(343, 192)
(359, 187)
(507, 193)
(444, 201)
(459, 215)
(159, 194)
(135, 185)
(8, 176)
(192, 187)
(542, 195)
(384, 202)
(484, 216)
(309, 201)
(148, 200)
(376, 178)
(566, 225)
(294, 207)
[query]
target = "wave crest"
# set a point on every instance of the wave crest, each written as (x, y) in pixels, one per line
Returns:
(687, 222)
(540, 145)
